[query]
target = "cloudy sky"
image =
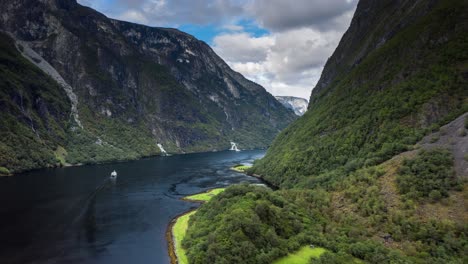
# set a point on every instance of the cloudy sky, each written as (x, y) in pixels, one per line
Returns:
(280, 44)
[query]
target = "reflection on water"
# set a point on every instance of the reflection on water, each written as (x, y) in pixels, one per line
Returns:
(90, 221)
(80, 215)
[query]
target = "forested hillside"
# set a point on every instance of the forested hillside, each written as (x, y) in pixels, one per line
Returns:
(411, 79)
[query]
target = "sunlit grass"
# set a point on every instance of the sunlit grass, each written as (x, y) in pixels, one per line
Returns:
(178, 230)
(241, 168)
(302, 256)
(205, 196)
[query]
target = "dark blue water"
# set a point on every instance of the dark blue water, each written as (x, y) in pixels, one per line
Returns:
(79, 215)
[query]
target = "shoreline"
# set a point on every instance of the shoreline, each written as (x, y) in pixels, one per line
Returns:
(68, 165)
(267, 183)
(171, 247)
(186, 199)
(170, 237)
(240, 168)
(260, 177)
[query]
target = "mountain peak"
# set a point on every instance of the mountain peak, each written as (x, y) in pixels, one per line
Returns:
(297, 104)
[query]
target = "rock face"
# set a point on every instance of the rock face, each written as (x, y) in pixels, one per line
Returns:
(399, 71)
(297, 104)
(131, 87)
(371, 27)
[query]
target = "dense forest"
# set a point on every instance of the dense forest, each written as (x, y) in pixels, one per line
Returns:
(353, 218)
(351, 170)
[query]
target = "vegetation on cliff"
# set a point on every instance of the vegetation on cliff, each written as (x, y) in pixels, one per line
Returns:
(430, 175)
(35, 112)
(400, 91)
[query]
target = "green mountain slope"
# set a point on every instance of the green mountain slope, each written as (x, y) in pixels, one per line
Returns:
(35, 112)
(369, 170)
(382, 104)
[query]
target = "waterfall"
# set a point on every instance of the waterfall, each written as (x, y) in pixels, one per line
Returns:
(163, 151)
(234, 146)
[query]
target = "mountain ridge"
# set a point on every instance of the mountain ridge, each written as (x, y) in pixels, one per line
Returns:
(153, 85)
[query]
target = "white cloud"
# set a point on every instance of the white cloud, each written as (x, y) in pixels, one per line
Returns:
(285, 63)
(241, 47)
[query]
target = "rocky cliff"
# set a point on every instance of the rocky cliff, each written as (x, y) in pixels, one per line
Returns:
(297, 104)
(130, 87)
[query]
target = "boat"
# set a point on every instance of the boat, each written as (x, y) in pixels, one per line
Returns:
(113, 175)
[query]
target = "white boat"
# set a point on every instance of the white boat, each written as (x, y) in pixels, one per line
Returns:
(113, 175)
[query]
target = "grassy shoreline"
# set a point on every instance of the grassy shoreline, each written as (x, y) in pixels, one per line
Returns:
(203, 196)
(177, 227)
(170, 237)
(241, 168)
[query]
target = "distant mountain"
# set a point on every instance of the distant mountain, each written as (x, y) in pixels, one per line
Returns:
(297, 104)
(127, 88)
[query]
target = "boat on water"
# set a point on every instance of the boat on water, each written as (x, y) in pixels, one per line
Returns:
(113, 175)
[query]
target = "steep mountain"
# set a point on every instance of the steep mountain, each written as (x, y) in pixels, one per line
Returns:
(129, 88)
(297, 104)
(376, 170)
(399, 71)
(35, 112)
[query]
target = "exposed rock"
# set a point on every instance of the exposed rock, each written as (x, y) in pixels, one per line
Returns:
(42, 64)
